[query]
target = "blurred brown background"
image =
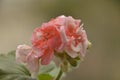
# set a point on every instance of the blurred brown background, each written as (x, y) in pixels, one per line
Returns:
(18, 18)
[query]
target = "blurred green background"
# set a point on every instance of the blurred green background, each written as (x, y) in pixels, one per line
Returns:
(101, 18)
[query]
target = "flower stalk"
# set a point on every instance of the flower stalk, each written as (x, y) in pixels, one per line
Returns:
(59, 75)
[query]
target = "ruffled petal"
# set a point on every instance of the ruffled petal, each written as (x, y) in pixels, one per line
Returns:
(84, 44)
(76, 48)
(70, 51)
(47, 57)
(32, 62)
(63, 38)
(22, 52)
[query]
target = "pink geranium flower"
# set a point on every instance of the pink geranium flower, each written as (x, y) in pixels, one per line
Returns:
(73, 35)
(77, 41)
(45, 40)
(59, 34)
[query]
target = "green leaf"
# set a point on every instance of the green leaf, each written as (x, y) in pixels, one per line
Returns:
(50, 69)
(47, 68)
(45, 77)
(54, 72)
(10, 70)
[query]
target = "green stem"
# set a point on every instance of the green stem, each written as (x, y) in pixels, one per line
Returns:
(59, 75)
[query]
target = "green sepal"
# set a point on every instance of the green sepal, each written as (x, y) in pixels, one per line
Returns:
(73, 61)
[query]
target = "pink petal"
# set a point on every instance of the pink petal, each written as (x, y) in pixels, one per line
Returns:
(21, 52)
(47, 57)
(63, 38)
(84, 44)
(76, 48)
(70, 51)
(32, 63)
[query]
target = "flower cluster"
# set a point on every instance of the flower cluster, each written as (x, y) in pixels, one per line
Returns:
(62, 34)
